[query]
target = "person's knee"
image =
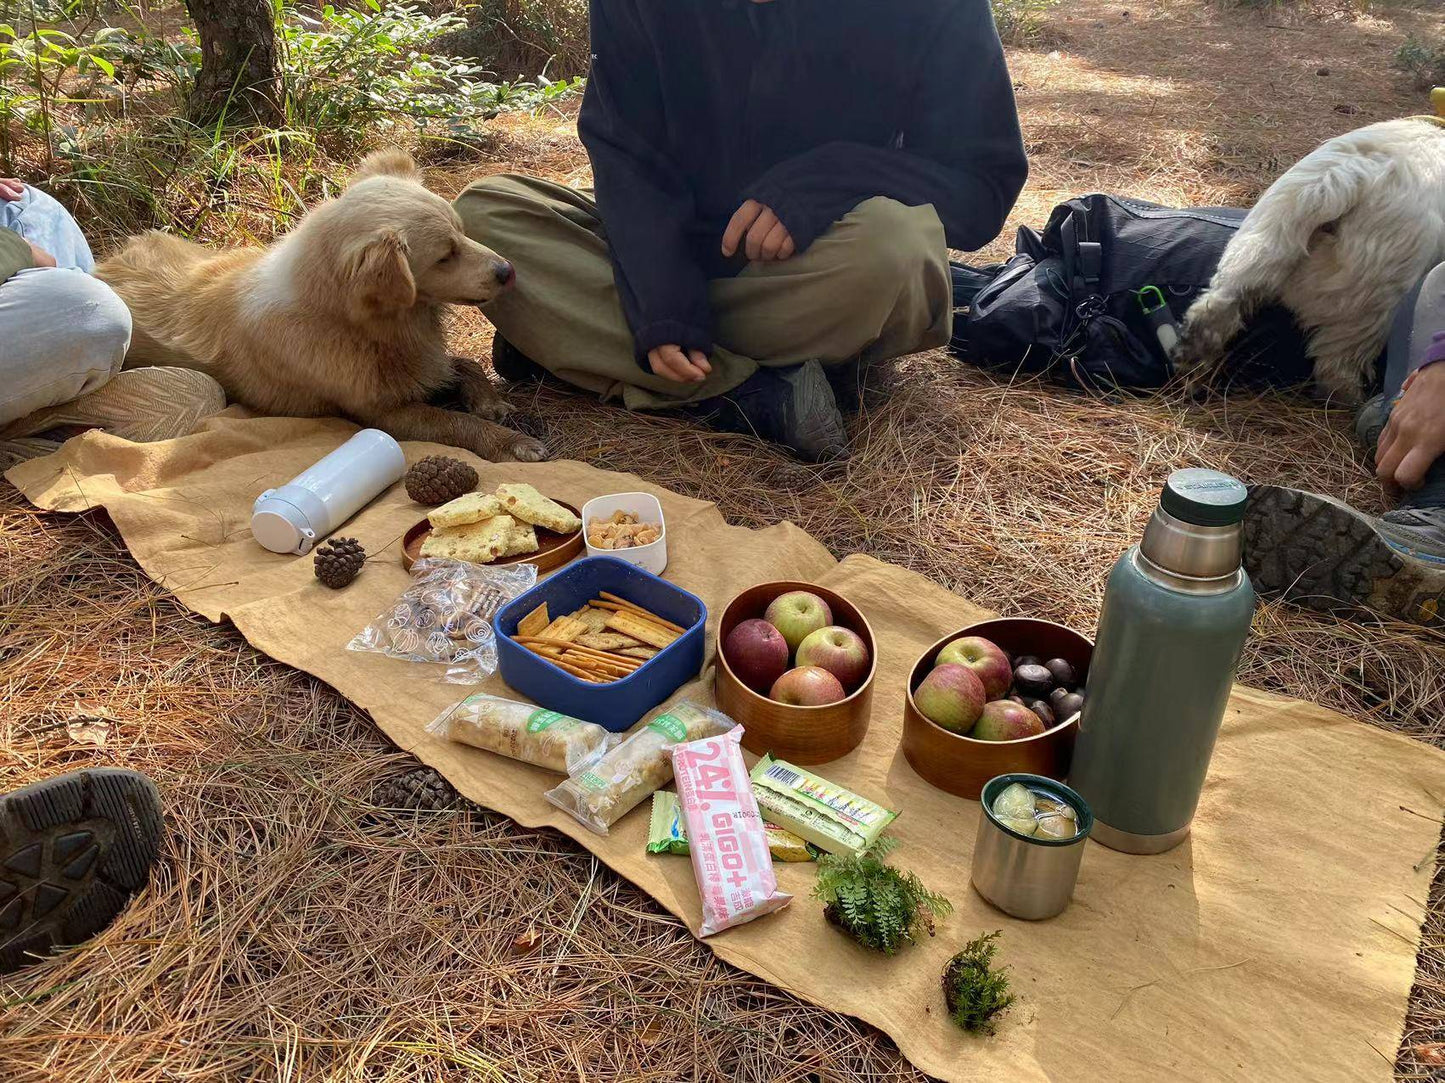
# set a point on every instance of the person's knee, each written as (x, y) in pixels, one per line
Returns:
(484, 201)
(97, 322)
(890, 242)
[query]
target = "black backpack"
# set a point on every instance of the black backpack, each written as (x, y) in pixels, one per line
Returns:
(1096, 299)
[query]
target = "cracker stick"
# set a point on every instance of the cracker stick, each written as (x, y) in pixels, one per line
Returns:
(634, 626)
(534, 621)
(573, 648)
(598, 666)
(615, 600)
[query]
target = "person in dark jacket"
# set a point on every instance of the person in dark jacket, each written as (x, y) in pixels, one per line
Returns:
(777, 183)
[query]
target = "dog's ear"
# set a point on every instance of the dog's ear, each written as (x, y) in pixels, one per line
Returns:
(380, 275)
(392, 162)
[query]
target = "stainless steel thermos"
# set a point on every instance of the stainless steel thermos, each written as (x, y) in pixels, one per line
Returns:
(1176, 614)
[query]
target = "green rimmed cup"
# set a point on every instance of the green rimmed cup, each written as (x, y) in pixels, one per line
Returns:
(1028, 876)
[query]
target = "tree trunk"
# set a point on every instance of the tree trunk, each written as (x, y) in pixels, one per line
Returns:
(238, 78)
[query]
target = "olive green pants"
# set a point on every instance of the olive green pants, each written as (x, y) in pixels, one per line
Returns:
(876, 285)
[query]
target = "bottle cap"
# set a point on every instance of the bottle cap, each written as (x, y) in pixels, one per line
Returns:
(279, 525)
(1204, 497)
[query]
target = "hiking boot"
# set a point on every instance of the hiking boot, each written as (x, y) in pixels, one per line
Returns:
(1370, 421)
(511, 364)
(142, 405)
(846, 380)
(793, 406)
(73, 849)
(1321, 553)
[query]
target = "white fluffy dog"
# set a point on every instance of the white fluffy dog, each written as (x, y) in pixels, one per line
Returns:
(1338, 240)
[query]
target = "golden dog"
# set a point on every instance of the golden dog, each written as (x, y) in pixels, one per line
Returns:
(342, 316)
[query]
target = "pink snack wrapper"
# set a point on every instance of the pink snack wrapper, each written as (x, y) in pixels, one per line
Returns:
(729, 847)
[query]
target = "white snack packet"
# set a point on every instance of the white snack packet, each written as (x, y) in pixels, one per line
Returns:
(725, 834)
(523, 731)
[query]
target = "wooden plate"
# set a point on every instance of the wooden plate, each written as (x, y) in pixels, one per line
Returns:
(553, 551)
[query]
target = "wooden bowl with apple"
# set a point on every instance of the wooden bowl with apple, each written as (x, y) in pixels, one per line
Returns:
(941, 750)
(795, 665)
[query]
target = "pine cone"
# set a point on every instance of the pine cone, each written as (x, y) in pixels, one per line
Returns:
(339, 561)
(437, 479)
(422, 789)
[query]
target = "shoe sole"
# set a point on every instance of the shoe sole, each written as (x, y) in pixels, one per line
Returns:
(1327, 556)
(73, 850)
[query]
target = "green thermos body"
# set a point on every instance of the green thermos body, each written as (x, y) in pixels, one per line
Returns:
(1176, 614)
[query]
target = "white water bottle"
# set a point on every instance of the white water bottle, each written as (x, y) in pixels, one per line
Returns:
(319, 499)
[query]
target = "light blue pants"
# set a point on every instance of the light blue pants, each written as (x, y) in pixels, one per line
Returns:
(62, 332)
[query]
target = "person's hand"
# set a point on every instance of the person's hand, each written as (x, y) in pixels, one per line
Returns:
(673, 363)
(758, 230)
(41, 257)
(10, 189)
(1415, 435)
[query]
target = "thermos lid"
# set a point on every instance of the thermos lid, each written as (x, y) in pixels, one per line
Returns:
(1204, 497)
(280, 526)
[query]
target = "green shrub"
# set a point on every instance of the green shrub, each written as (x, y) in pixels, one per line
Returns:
(973, 991)
(1422, 61)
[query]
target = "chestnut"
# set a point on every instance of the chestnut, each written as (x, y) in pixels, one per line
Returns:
(1042, 709)
(1069, 705)
(1033, 680)
(1062, 671)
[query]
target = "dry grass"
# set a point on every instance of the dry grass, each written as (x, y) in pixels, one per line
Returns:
(295, 932)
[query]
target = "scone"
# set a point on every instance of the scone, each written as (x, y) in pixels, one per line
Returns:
(527, 504)
(522, 540)
(480, 543)
(471, 508)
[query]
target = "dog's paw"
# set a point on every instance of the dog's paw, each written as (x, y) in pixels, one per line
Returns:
(526, 449)
(497, 409)
(1209, 327)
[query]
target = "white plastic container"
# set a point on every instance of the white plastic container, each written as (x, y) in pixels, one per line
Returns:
(653, 557)
(319, 499)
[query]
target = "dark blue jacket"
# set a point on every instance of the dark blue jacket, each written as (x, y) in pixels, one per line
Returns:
(808, 106)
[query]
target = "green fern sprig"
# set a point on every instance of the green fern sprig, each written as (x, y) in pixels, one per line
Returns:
(881, 907)
(973, 991)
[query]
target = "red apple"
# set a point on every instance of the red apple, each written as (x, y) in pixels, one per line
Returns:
(951, 696)
(1005, 720)
(797, 614)
(757, 653)
(986, 658)
(840, 651)
(807, 686)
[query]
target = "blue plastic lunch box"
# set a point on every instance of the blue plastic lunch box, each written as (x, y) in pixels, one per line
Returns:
(618, 704)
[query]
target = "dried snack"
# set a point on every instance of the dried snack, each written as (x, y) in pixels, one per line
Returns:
(471, 508)
(827, 815)
(526, 503)
(446, 616)
(622, 530)
(523, 732)
(533, 623)
(480, 543)
(666, 833)
(612, 787)
(587, 644)
(730, 857)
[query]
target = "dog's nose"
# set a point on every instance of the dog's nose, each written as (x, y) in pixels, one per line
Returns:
(505, 272)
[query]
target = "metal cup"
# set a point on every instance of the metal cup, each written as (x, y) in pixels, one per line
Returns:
(1026, 876)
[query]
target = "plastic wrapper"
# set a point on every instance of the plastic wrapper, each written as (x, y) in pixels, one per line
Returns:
(446, 616)
(523, 731)
(827, 815)
(729, 847)
(613, 786)
(666, 833)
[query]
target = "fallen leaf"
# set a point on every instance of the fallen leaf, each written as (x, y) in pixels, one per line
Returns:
(89, 725)
(527, 942)
(1429, 1053)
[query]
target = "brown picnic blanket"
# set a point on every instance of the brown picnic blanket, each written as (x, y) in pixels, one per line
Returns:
(1278, 942)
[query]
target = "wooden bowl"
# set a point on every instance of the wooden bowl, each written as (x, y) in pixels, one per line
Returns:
(553, 550)
(961, 765)
(801, 735)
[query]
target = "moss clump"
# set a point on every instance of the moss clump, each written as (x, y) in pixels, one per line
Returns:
(879, 906)
(973, 991)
